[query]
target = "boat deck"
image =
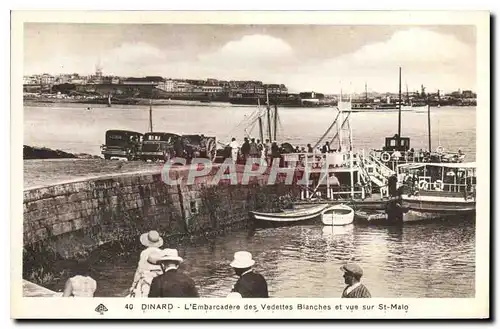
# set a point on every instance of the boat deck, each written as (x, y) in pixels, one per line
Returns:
(374, 202)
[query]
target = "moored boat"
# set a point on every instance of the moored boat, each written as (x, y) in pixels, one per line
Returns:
(438, 190)
(370, 217)
(289, 216)
(337, 215)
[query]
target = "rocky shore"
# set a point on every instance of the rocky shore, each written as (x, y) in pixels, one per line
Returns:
(33, 152)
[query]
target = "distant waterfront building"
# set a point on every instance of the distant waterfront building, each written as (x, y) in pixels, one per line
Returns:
(468, 94)
(211, 89)
(212, 82)
(138, 81)
(274, 89)
(167, 85)
(182, 87)
(115, 80)
(31, 80)
(78, 81)
(47, 79)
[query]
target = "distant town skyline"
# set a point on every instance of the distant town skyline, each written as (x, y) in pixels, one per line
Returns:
(303, 57)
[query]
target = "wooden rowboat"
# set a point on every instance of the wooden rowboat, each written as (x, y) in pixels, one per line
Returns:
(337, 215)
(289, 215)
(371, 217)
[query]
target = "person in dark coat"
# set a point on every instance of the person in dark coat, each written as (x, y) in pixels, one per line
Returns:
(250, 283)
(172, 283)
(352, 277)
(326, 148)
(245, 149)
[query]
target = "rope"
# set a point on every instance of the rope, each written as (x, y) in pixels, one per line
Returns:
(327, 131)
(255, 114)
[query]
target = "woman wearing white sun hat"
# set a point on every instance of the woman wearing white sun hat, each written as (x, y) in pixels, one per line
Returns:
(152, 241)
(250, 284)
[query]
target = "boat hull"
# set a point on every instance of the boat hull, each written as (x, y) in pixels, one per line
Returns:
(337, 215)
(289, 217)
(371, 217)
(424, 208)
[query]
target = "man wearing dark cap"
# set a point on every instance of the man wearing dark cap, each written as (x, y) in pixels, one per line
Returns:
(352, 277)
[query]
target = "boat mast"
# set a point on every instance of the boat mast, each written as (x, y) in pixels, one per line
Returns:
(268, 116)
(399, 115)
(407, 96)
(366, 94)
(429, 122)
(275, 120)
(261, 131)
(151, 110)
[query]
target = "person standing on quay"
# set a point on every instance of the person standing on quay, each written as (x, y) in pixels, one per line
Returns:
(352, 277)
(152, 241)
(172, 283)
(250, 284)
(235, 146)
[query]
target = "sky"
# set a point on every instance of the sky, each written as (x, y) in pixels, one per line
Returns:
(321, 58)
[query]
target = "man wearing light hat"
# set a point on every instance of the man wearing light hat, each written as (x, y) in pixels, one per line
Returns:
(352, 277)
(171, 283)
(250, 284)
(152, 241)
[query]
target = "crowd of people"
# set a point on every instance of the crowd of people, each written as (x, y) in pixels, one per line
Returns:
(252, 148)
(158, 275)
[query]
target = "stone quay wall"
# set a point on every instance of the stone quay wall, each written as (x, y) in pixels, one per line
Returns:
(75, 217)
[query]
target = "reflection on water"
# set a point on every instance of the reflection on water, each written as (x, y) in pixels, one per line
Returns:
(417, 260)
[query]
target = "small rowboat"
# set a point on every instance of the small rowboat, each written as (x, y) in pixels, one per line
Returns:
(289, 216)
(373, 217)
(337, 215)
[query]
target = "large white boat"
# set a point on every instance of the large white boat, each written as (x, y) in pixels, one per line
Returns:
(437, 190)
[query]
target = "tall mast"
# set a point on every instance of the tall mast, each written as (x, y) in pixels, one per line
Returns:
(275, 120)
(429, 122)
(151, 110)
(407, 96)
(399, 115)
(261, 130)
(268, 116)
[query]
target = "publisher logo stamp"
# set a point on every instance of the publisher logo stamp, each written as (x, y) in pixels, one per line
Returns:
(101, 309)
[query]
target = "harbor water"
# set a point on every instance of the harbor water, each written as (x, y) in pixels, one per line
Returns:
(73, 128)
(433, 260)
(418, 260)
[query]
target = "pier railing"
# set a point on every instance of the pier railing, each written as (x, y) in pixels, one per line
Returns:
(333, 193)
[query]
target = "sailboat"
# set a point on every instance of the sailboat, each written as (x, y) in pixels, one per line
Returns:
(363, 106)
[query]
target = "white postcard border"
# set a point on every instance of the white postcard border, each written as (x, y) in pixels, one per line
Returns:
(477, 307)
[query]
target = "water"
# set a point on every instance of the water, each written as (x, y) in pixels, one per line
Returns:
(432, 260)
(418, 260)
(70, 127)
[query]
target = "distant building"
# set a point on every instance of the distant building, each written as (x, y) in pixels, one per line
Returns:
(181, 87)
(468, 94)
(274, 89)
(31, 80)
(47, 79)
(78, 81)
(212, 82)
(211, 89)
(139, 81)
(167, 85)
